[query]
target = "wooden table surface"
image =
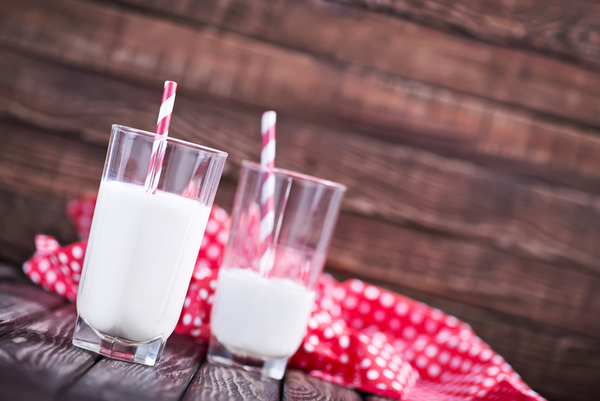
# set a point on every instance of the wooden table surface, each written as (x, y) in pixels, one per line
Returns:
(38, 362)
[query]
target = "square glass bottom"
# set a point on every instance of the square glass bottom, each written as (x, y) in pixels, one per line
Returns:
(220, 354)
(145, 353)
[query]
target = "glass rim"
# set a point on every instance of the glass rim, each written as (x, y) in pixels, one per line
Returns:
(293, 174)
(170, 139)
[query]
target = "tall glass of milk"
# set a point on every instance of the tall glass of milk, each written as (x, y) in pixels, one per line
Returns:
(143, 243)
(282, 224)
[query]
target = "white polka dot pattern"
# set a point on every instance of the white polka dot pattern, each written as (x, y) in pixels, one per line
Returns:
(358, 335)
(390, 345)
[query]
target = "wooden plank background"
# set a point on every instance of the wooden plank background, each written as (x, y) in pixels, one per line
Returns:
(467, 132)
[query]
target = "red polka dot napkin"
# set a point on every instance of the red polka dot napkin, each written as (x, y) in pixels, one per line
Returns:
(374, 340)
(358, 335)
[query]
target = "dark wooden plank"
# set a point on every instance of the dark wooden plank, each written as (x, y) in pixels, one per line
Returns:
(11, 273)
(437, 193)
(38, 360)
(31, 163)
(438, 120)
(372, 397)
(472, 273)
(214, 66)
(397, 47)
(21, 302)
(554, 227)
(22, 217)
(555, 362)
(299, 386)
(559, 28)
(555, 294)
(116, 380)
(216, 383)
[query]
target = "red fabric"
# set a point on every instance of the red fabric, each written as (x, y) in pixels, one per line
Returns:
(358, 335)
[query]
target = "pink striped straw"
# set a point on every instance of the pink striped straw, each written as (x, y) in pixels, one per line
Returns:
(162, 129)
(267, 159)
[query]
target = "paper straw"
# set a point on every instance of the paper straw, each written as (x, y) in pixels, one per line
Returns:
(267, 159)
(162, 129)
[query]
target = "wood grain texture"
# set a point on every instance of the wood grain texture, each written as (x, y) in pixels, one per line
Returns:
(300, 387)
(21, 302)
(205, 61)
(116, 380)
(38, 360)
(506, 238)
(372, 397)
(44, 164)
(564, 29)
(400, 48)
(22, 217)
(442, 121)
(557, 363)
(219, 383)
(508, 219)
(554, 362)
(452, 197)
(10, 274)
(467, 272)
(555, 294)
(447, 123)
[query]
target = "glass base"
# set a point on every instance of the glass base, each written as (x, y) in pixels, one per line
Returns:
(145, 353)
(220, 354)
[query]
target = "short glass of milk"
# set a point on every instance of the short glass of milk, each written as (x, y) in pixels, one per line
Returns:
(143, 243)
(274, 256)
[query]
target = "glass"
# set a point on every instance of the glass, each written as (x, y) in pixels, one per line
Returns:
(143, 244)
(265, 290)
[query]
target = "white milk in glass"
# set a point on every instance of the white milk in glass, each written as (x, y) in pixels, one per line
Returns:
(257, 316)
(140, 258)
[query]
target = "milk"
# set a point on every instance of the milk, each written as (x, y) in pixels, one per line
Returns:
(260, 317)
(139, 261)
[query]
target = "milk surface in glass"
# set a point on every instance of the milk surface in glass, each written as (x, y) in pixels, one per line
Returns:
(140, 258)
(258, 316)
(275, 253)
